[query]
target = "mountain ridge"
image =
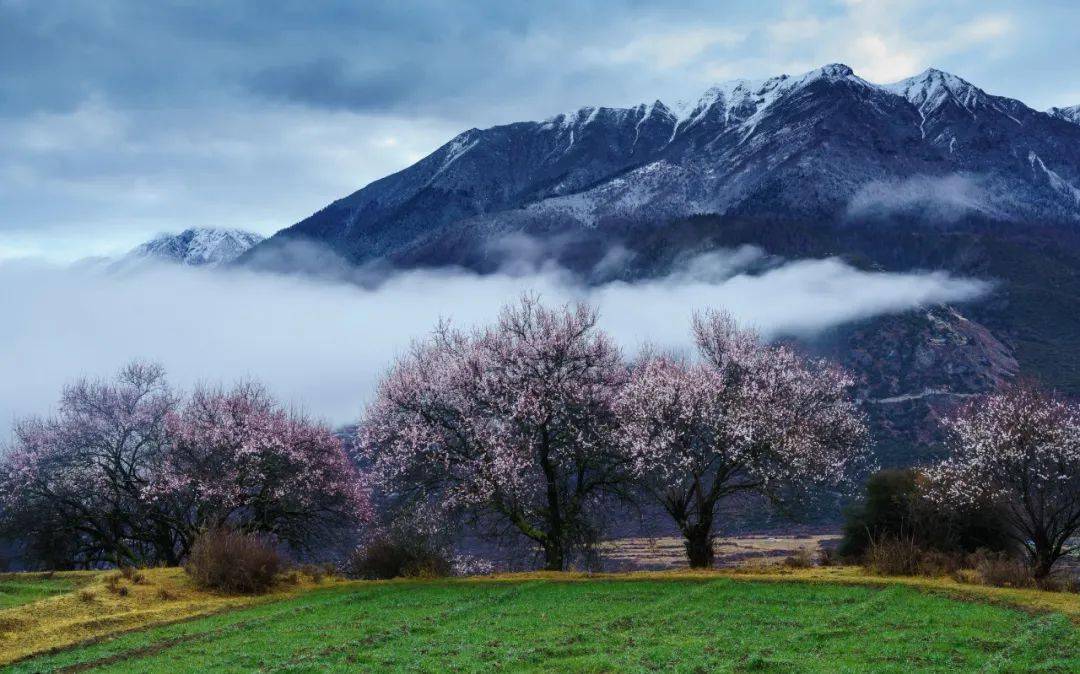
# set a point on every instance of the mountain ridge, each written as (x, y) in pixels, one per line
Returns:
(931, 172)
(793, 146)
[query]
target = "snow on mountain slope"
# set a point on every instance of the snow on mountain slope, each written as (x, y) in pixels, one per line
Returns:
(791, 147)
(1070, 114)
(932, 89)
(743, 102)
(198, 247)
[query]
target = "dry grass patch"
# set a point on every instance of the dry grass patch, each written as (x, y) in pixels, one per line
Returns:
(111, 602)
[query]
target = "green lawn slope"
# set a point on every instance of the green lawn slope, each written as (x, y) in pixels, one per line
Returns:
(709, 623)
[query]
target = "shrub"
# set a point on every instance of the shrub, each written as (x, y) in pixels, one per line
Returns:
(802, 559)
(132, 575)
(892, 557)
(937, 563)
(896, 506)
(1001, 570)
(391, 557)
(895, 556)
(112, 582)
(317, 572)
(827, 557)
(229, 561)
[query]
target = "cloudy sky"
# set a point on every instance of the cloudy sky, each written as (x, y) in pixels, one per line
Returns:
(119, 120)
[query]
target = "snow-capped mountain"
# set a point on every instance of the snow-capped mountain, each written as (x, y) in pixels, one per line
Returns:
(197, 247)
(1070, 114)
(931, 172)
(824, 146)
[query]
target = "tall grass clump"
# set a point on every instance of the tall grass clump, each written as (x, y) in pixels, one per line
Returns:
(229, 561)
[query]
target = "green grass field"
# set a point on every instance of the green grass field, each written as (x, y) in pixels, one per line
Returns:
(23, 588)
(717, 624)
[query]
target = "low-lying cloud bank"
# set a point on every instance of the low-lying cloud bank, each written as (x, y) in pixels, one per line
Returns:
(323, 345)
(937, 198)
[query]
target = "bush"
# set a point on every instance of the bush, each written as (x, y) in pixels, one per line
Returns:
(391, 557)
(896, 508)
(318, 572)
(802, 559)
(827, 557)
(229, 561)
(892, 556)
(1001, 570)
(132, 575)
(112, 583)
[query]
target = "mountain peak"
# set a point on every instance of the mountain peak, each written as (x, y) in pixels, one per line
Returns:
(946, 78)
(933, 88)
(834, 70)
(742, 102)
(196, 246)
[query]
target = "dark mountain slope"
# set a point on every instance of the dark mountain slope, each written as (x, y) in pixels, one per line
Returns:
(821, 147)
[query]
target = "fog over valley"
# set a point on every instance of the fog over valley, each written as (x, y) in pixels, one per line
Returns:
(322, 344)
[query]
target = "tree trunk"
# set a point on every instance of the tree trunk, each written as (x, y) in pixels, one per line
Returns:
(1042, 563)
(699, 547)
(554, 554)
(554, 557)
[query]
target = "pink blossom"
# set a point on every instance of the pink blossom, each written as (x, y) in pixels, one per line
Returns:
(1020, 449)
(747, 417)
(514, 420)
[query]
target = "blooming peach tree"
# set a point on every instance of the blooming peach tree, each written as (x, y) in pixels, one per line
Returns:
(513, 421)
(72, 486)
(237, 458)
(748, 417)
(1020, 449)
(129, 472)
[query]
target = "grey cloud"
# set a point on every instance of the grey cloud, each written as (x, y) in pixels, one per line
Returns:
(328, 82)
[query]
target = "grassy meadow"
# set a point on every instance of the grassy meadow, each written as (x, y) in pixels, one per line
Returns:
(814, 620)
(17, 589)
(46, 612)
